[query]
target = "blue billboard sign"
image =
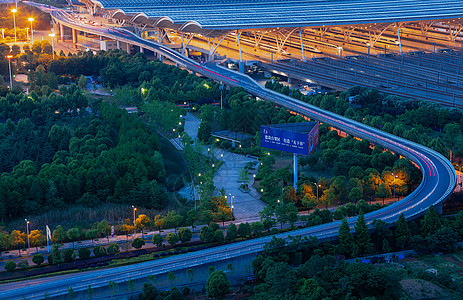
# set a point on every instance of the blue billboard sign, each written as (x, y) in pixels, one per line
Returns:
(284, 140)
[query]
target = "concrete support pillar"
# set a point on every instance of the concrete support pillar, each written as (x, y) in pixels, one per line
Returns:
(160, 57)
(61, 31)
(289, 80)
(101, 38)
(176, 64)
(74, 36)
(128, 48)
(398, 36)
(302, 44)
(241, 67)
(142, 50)
(118, 45)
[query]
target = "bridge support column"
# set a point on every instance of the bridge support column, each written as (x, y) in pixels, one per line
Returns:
(118, 45)
(241, 66)
(438, 208)
(302, 44)
(74, 37)
(398, 36)
(128, 48)
(61, 32)
(142, 50)
(289, 80)
(295, 172)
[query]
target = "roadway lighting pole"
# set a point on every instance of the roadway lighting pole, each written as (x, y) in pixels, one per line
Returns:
(9, 65)
(27, 33)
(134, 228)
(32, 32)
(28, 243)
(3, 34)
(14, 10)
(317, 185)
(221, 92)
(393, 197)
(52, 35)
(231, 219)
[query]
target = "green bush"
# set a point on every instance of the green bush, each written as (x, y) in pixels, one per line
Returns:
(113, 248)
(69, 255)
(38, 259)
(10, 266)
(23, 265)
(84, 253)
(99, 251)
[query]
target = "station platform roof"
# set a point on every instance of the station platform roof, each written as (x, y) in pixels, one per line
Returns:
(188, 15)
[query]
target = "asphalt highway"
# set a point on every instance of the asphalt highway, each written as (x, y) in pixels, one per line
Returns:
(439, 180)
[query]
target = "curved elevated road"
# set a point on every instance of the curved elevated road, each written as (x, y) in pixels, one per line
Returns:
(439, 180)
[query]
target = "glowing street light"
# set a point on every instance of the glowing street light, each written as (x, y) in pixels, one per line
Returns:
(134, 228)
(28, 243)
(9, 65)
(317, 185)
(32, 32)
(14, 10)
(52, 35)
(393, 197)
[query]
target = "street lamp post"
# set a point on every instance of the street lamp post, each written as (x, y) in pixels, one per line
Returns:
(52, 35)
(9, 65)
(317, 185)
(393, 197)
(28, 243)
(14, 10)
(221, 89)
(134, 228)
(32, 31)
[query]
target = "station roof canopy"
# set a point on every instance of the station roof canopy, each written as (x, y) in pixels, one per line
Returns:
(197, 15)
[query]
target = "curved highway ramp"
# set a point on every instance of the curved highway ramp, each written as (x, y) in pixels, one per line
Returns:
(439, 180)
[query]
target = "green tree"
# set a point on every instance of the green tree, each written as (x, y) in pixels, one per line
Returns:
(104, 229)
(431, 222)
(172, 238)
(206, 234)
(59, 235)
(185, 235)
(402, 232)
(232, 232)
(218, 236)
(91, 234)
(113, 248)
(38, 259)
(149, 292)
(362, 236)
(73, 234)
(157, 240)
(346, 241)
(217, 285)
(82, 81)
(10, 266)
(138, 243)
(192, 217)
(99, 251)
(84, 253)
(68, 255)
(55, 257)
(244, 230)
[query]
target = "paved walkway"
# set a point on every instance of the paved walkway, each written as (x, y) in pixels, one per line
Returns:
(246, 205)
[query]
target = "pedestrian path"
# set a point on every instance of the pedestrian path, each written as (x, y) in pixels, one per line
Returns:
(245, 205)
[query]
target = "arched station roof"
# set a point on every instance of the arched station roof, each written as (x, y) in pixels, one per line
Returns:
(247, 14)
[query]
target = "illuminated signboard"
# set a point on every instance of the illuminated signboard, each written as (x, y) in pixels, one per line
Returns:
(291, 138)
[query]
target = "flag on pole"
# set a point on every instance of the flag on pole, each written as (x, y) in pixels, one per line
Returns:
(47, 229)
(112, 231)
(48, 232)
